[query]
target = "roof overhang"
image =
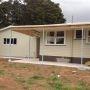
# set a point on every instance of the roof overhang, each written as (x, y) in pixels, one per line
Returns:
(34, 30)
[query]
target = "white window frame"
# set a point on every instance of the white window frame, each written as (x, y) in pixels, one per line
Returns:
(87, 37)
(55, 37)
(79, 38)
(13, 39)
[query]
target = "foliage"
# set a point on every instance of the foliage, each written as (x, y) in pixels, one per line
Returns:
(30, 12)
(55, 82)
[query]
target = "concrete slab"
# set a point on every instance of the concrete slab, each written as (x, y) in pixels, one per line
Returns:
(36, 61)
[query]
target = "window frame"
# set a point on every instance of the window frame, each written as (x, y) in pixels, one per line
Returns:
(55, 37)
(12, 41)
(84, 33)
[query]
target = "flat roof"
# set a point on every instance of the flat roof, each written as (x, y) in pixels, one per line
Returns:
(64, 25)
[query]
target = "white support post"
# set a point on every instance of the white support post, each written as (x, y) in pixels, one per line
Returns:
(43, 46)
(29, 47)
(82, 43)
(10, 46)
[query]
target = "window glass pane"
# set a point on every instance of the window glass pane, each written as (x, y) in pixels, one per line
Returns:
(50, 40)
(15, 41)
(8, 41)
(60, 34)
(59, 40)
(12, 41)
(78, 33)
(50, 33)
(89, 33)
(4, 40)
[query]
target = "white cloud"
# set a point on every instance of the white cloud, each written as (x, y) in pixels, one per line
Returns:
(80, 9)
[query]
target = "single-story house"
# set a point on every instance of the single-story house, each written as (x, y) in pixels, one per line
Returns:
(54, 42)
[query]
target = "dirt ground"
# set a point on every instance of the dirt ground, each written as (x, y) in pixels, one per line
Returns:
(15, 76)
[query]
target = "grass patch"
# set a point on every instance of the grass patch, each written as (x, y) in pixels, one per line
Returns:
(55, 83)
(42, 77)
(37, 77)
(20, 79)
(2, 72)
(28, 82)
(34, 79)
(82, 86)
(15, 65)
(67, 87)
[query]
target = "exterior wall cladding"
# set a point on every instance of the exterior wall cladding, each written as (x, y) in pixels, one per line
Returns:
(71, 50)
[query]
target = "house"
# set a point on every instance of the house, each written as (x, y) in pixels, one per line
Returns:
(54, 42)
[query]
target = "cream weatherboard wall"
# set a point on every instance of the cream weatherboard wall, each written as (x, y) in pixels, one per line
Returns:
(77, 49)
(56, 50)
(72, 48)
(21, 49)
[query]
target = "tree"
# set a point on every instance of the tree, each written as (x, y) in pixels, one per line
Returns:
(11, 13)
(4, 13)
(43, 12)
(30, 12)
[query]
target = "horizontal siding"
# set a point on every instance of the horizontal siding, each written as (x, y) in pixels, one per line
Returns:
(71, 49)
(64, 50)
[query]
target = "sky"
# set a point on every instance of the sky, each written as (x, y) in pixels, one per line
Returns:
(79, 9)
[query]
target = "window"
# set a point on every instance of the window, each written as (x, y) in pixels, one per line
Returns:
(88, 36)
(78, 34)
(55, 38)
(50, 37)
(8, 41)
(15, 41)
(4, 40)
(60, 37)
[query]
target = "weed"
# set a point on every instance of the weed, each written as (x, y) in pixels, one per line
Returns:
(66, 87)
(55, 82)
(35, 78)
(82, 86)
(20, 79)
(14, 65)
(2, 72)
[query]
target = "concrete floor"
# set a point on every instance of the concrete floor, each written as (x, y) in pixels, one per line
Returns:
(36, 61)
